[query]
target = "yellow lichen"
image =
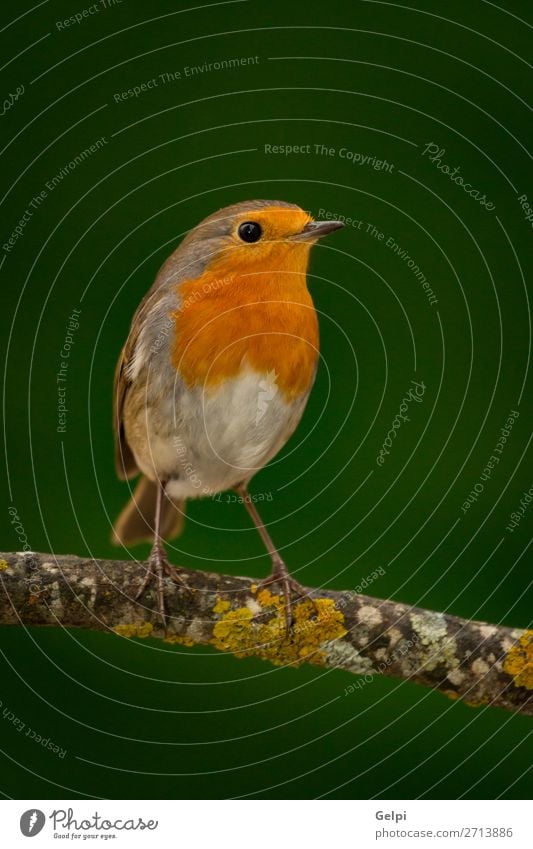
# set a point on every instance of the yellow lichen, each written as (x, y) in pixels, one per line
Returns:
(451, 694)
(316, 622)
(3, 565)
(474, 703)
(519, 661)
(180, 639)
(138, 629)
(266, 599)
(221, 606)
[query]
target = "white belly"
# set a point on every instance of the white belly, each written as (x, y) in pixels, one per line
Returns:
(214, 441)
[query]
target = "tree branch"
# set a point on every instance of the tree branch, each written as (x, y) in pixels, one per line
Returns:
(474, 661)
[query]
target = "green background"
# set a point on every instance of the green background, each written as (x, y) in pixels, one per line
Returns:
(142, 720)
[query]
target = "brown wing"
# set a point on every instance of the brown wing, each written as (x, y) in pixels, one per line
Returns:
(125, 463)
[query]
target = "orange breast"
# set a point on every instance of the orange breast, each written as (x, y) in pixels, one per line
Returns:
(229, 321)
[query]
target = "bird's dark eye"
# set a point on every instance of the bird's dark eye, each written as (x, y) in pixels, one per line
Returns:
(250, 231)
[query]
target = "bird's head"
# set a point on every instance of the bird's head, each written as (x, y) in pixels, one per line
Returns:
(257, 237)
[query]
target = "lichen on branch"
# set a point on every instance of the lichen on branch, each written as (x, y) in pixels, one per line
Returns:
(479, 663)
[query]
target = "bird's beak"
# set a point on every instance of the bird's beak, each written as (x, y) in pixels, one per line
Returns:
(317, 229)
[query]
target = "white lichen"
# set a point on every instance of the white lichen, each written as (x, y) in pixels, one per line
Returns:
(487, 631)
(436, 648)
(254, 606)
(480, 667)
(368, 615)
(456, 677)
(90, 584)
(339, 653)
(394, 634)
(54, 600)
(195, 630)
(430, 627)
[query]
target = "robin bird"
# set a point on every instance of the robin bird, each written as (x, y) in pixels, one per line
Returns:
(215, 373)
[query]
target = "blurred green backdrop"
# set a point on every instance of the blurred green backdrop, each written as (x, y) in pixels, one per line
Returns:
(366, 79)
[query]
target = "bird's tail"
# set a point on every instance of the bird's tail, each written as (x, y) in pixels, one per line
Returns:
(136, 523)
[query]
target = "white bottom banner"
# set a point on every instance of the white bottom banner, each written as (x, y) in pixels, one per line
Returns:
(268, 824)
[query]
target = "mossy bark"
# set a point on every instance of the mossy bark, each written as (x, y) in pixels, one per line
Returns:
(469, 660)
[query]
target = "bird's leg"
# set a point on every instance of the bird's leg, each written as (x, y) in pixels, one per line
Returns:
(158, 565)
(280, 574)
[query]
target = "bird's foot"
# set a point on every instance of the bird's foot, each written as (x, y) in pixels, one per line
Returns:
(280, 575)
(158, 568)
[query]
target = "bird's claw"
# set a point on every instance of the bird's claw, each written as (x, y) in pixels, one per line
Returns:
(289, 586)
(159, 568)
